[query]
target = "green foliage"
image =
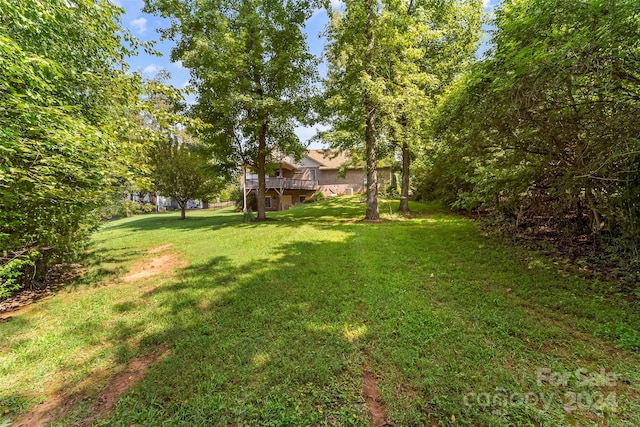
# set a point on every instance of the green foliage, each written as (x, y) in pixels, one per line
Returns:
(63, 104)
(319, 195)
(182, 171)
(127, 208)
(388, 61)
(252, 70)
(124, 208)
(230, 193)
(12, 272)
(546, 125)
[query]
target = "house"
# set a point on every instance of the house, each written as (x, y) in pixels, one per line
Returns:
(331, 172)
(161, 203)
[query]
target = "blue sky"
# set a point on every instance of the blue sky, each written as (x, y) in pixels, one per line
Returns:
(145, 26)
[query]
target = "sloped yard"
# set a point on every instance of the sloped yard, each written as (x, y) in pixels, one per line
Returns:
(317, 318)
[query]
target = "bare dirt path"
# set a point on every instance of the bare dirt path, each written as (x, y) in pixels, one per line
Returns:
(102, 403)
(373, 399)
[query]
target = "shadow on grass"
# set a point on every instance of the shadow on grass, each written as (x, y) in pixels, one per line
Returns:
(208, 220)
(269, 343)
(284, 341)
(172, 221)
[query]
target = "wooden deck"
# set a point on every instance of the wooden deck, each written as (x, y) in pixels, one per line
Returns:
(283, 184)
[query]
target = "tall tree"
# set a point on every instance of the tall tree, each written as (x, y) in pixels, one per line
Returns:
(252, 70)
(388, 61)
(352, 88)
(428, 43)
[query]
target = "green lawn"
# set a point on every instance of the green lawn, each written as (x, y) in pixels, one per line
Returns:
(277, 323)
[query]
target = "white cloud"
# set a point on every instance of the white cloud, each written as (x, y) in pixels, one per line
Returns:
(150, 69)
(178, 64)
(116, 3)
(486, 3)
(139, 25)
(337, 4)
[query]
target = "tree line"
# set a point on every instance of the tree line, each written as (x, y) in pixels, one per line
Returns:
(541, 128)
(77, 129)
(543, 131)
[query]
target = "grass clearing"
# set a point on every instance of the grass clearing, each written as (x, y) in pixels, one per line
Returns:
(279, 323)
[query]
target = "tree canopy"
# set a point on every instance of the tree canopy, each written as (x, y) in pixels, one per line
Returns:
(545, 127)
(252, 71)
(64, 138)
(182, 171)
(387, 62)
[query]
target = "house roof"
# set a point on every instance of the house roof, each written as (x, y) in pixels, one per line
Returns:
(330, 159)
(324, 159)
(288, 163)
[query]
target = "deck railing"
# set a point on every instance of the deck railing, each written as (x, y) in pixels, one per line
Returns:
(284, 183)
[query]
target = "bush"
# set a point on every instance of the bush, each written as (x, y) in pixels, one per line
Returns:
(315, 197)
(147, 208)
(237, 197)
(66, 138)
(124, 208)
(12, 272)
(230, 193)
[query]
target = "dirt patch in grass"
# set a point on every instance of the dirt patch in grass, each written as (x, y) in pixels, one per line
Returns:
(56, 277)
(24, 298)
(48, 411)
(106, 401)
(61, 403)
(159, 249)
(160, 265)
(373, 399)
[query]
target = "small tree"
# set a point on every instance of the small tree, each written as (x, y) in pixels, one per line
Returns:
(181, 171)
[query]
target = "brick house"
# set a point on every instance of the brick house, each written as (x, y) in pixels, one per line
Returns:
(319, 170)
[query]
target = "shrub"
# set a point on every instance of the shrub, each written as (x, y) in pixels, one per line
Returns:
(147, 208)
(319, 195)
(12, 272)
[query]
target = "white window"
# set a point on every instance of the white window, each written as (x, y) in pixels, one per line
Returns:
(267, 202)
(312, 174)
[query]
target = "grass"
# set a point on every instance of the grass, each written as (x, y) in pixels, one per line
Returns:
(274, 323)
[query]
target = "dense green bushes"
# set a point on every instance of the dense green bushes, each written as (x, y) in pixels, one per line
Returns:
(64, 139)
(545, 130)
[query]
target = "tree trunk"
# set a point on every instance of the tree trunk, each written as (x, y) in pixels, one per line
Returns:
(262, 170)
(183, 208)
(244, 188)
(263, 118)
(404, 187)
(370, 131)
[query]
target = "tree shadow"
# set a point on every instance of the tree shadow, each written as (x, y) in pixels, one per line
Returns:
(251, 343)
(315, 213)
(283, 340)
(169, 221)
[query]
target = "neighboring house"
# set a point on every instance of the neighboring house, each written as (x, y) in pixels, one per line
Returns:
(148, 197)
(319, 170)
(161, 203)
